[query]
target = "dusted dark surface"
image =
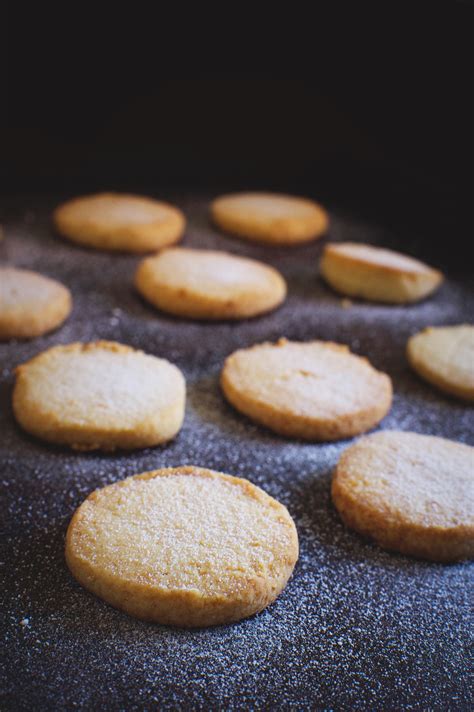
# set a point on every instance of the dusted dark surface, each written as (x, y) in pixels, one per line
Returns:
(355, 628)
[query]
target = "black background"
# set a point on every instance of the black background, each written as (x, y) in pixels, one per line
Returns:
(366, 106)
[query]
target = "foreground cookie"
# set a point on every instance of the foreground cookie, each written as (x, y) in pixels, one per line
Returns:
(101, 395)
(112, 221)
(411, 493)
(183, 546)
(315, 390)
(270, 218)
(30, 304)
(444, 356)
(206, 284)
(376, 274)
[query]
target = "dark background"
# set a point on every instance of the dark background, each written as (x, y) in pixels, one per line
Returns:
(366, 106)
(369, 108)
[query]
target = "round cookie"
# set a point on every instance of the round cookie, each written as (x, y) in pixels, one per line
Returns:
(30, 304)
(316, 390)
(101, 395)
(206, 284)
(270, 217)
(377, 274)
(183, 546)
(444, 356)
(410, 493)
(119, 222)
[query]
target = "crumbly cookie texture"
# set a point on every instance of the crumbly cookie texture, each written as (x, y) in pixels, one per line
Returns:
(410, 493)
(444, 356)
(183, 546)
(207, 284)
(120, 222)
(31, 304)
(315, 390)
(377, 274)
(101, 395)
(270, 217)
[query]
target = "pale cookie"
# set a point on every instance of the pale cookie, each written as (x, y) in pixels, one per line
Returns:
(376, 274)
(101, 395)
(206, 284)
(315, 390)
(410, 493)
(183, 546)
(30, 304)
(270, 217)
(444, 356)
(120, 222)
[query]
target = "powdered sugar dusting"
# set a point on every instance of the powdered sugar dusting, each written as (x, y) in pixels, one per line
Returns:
(355, 628)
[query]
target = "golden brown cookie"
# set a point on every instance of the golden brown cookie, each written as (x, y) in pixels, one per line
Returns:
(206, 284)
(30, 304)
(270, 217)
(444, 356)
(101, 395)
(315, 390)
(410, 493)
(120, 222)
(183, 546)
(376, 274)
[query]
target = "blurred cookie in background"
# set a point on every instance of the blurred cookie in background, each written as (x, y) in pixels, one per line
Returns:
(207, 284)
(31, 304)
(376, 274)
(270, 218)
(120, 222)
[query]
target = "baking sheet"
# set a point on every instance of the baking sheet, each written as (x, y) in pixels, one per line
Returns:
(355, 628)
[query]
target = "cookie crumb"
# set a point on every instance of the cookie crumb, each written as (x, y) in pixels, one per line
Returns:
(346, 303)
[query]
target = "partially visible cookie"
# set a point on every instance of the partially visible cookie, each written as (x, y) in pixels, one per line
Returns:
(30, 304)
(315, 390)
(101, 395)
(120, 222)
(206, 284)
(183, 546)
(377, 274)
(444, 356)
(270, 217)
(410, 493)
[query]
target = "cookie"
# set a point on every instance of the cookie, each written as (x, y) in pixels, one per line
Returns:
(183, 546)
(444, 356)
(376, 274)
(31, 304)
(101, 395)
(315, 390)
(270, 217)
(119, 222)
(410, 493)
(206, 284)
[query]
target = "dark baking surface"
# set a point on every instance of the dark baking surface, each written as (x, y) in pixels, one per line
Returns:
(355, 628)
